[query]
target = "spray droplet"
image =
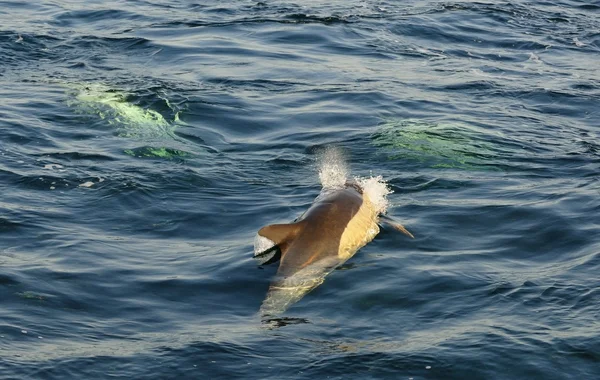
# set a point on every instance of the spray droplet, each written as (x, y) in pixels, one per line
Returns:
(333, 170)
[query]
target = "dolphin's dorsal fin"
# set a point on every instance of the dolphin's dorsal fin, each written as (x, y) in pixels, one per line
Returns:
(280, 233)
(271, 241)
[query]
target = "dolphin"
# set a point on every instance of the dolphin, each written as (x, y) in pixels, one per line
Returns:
(340, 221)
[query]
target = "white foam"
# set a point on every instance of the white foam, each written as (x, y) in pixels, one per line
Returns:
(377, 190)
(333, 170)
(262, 244)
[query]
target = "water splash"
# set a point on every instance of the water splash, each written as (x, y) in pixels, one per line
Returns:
(333, 170)
(377, 190)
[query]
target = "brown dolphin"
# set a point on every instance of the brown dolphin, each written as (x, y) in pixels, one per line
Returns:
(341, 220)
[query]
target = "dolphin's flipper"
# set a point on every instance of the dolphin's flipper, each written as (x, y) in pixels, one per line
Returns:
(387, 221)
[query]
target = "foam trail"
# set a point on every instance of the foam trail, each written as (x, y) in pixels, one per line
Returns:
(333, 171)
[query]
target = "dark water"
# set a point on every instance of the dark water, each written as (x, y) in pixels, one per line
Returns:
(143, 144)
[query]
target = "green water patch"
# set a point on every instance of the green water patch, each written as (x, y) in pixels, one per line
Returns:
(438, 146)
(117, 109)
(152, 152)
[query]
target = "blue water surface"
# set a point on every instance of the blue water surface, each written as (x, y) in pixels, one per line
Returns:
(143, 144)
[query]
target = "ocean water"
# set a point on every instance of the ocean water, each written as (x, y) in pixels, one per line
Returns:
(143, 144)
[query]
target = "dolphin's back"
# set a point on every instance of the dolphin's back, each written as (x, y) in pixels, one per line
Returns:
(332, 229)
